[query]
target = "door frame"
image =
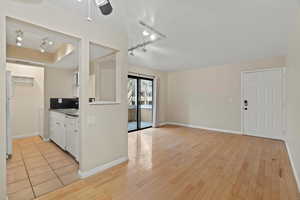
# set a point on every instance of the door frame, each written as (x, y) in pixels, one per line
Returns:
(138, 104)
(283, 85)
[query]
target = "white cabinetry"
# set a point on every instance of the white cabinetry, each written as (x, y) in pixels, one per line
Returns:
(64, 131)
(57, 129)
(72, 134)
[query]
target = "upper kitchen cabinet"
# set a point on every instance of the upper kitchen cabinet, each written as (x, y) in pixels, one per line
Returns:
(103, 73)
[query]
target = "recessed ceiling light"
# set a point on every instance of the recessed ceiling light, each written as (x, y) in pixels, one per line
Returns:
(79, 0)
(146, 33)
(42, 50)
(153, 37)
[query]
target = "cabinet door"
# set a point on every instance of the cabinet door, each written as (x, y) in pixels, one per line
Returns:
(72, 137)
(53, 127)
(61, 134)
(57, 129)
(76, 144)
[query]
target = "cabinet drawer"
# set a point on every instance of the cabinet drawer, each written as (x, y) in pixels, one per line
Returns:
(57, 116)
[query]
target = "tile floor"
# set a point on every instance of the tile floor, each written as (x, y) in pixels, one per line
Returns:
(38, 167)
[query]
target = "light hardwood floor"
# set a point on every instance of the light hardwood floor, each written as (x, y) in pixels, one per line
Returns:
(176, 163)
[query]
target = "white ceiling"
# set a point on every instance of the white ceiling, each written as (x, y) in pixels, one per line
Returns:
(202, 32)
(211, 32)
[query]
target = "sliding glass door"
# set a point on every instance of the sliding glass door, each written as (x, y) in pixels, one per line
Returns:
(132, 103)
(140, 103)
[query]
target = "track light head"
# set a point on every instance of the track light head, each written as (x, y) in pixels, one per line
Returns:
(131, 53)
(18, 43)
(104, 6)
(19, 35)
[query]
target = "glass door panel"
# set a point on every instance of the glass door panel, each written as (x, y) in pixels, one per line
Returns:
(145, 103)
(132, 103)
(140, 103)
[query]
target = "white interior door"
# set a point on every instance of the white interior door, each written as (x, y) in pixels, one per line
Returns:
(263, 100)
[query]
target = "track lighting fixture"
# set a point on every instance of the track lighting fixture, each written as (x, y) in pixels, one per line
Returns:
(19, 38)
(18, 43)
(131, 53)
(19, 35)
(50, 42)
(151, 35)
(104, 6)
(42, 50)
(146, 33)
(44, 44)
(144, 49)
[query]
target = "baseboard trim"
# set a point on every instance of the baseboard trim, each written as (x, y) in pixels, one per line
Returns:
(203, 127)
(163, 123)
(24, 136)
(293, 165)
(46, 139)
(101, 168)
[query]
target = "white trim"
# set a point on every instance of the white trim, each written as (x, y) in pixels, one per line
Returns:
(104, 103)
(141, 75)
(241, 102)
(163, 123)
(293, 165)
(25, 136)
(203, 127)
(46, 139)
(101, 168)
(283, 72)
(263, 70)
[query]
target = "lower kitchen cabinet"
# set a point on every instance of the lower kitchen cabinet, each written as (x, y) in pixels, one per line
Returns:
(57, 129)
(72, 135)
(64, 131)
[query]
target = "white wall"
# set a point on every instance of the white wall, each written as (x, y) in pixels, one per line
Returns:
(2, 109)
(102, 139)
(27, 103)
(58, 84)
(210, 97)
(163, 101)
(104, 75)
(293, 97)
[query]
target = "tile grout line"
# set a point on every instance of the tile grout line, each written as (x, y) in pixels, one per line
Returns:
(69, 157)
(27, 173)
(52, 168)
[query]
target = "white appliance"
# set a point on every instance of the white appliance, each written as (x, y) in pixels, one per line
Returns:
(9, 95)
